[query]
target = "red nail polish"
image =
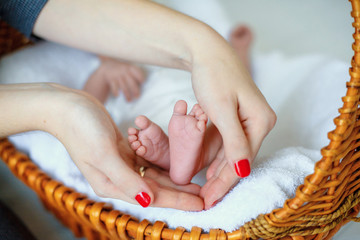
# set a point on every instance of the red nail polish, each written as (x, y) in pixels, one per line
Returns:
(214, 203)
(143, 199)
(242, 168)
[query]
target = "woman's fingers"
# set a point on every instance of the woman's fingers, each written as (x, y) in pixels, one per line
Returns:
(159, 192)
(115, 179)
(236, 144)
(167, 197)
(101, 153)
(120, 178)
(216, 165)
(218, 185)
(162, 177)
(220, 175)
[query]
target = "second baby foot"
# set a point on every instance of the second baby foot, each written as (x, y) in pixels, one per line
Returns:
(186, 136)
(150, 142)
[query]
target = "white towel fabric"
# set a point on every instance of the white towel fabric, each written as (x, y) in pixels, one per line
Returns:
(304, 91)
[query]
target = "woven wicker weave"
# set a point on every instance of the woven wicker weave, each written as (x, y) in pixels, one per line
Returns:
(328, 199)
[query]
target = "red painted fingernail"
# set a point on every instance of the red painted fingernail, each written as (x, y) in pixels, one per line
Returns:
(143, 199)
(242, 168)
(216, 202)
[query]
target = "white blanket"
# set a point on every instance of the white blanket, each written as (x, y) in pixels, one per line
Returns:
(304, 91)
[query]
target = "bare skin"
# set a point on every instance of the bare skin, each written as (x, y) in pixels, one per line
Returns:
(185, 152)
(65, 125)
(186, 135)
(220, 175)
(115, 77)
(158, 36)
(150, 142)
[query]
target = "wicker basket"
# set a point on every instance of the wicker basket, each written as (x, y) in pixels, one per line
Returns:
(328, 199)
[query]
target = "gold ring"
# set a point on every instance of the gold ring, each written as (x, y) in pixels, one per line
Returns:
(142, 171)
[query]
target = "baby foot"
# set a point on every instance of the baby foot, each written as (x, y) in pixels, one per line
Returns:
(150, 142)
(186, 136)
(240, 39)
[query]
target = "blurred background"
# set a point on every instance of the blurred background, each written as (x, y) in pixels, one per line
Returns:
(297, 27)
(292, 27)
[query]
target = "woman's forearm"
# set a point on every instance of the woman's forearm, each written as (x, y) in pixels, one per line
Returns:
(135, 30)
(27, 107)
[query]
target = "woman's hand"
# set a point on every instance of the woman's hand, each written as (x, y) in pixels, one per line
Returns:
(237, 108)
(110, 166)
(94, 143)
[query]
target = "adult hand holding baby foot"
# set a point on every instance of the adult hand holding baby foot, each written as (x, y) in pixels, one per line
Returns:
(161, 36)
(113, 169)
(241, 114)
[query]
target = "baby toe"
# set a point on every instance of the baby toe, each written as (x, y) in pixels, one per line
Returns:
(194, 110)
(141, 151)
(199, 112)
(142, 122)
(135, 145)
(132, 138)
(133, 131)
(180, 107)
(201, 125)
(196, 107)
(203, 117)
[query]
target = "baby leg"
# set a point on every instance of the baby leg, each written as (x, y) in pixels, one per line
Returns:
(150, 142)
(186, 137)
